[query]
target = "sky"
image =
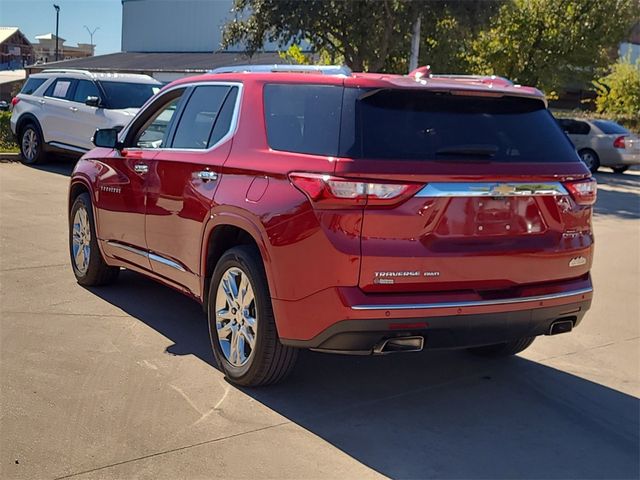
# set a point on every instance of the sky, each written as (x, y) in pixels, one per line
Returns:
(36, 17)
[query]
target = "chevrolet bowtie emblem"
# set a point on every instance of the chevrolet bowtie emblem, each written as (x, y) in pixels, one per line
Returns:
(502, 189)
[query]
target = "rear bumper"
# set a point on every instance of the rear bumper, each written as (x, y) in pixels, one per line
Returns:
(349, 321)
(359, 337)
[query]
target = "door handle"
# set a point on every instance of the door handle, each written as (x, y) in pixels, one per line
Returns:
(207, 175)
(42, 102)
(73, 109)
(141, 168)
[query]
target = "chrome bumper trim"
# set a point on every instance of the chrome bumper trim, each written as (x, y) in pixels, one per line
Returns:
(475, 303)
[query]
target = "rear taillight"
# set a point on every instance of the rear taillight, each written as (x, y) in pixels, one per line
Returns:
(14, 101)
(334, 192)
(619, 142)
(584, 192)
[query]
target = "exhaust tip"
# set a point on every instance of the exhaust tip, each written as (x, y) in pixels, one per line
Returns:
(399, 345)
(560, 326)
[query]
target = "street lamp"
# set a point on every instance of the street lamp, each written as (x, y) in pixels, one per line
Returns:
(91, 35)
(57, 7)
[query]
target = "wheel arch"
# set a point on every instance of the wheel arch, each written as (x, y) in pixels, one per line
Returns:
(25, 119)
(223, 232)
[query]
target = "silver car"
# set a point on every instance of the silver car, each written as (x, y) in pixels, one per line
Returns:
(603, 143)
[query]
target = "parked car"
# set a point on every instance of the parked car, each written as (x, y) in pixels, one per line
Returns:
(59, 110)
(603, 143)
(342, 212)
(4, 106)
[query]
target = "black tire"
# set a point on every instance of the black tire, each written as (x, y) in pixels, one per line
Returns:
(97, 272)
(503, 349)
(590, 159)
(32, 154)
(620, 169)
(270, 361)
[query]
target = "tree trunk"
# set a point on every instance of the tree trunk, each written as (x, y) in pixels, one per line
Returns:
(415, 44)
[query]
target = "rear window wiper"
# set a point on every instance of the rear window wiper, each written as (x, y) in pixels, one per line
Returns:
(469, 150)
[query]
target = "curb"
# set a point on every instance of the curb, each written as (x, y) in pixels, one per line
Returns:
(9, 157)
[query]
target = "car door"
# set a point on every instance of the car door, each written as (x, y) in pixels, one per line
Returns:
(183, 180)
(85, 119)
(121, 197)
(57, 110)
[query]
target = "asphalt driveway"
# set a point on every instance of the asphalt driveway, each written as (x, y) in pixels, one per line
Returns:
(119, 382)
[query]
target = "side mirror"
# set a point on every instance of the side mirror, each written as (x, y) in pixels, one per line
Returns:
(106, 137)
(93, 101)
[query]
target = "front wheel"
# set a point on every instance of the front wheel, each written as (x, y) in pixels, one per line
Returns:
(503, 349)
(241, 322)
(88, 265)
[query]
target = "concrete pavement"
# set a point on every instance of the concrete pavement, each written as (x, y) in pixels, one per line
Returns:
(119, 382)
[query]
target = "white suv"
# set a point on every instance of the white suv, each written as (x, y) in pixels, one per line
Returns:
(60, 110)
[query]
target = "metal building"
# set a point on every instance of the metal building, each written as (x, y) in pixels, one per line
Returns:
(174, 25)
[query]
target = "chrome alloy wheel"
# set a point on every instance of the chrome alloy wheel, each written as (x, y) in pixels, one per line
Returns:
(30, 144)
(81, 240)
(589, 159)
(236, 317)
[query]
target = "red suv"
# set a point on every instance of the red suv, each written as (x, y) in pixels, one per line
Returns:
(343, 212)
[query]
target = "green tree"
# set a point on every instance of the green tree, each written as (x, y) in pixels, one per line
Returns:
(365, 33)
(619, 90)
(552, 43)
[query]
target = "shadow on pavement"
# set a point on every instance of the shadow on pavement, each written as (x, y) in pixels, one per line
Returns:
(618, 195)
(434, 414)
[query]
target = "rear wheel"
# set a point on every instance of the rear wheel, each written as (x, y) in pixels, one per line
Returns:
(620, 169)
(88, 265)
(503, 349)
(32, 145)
(241, 322)
(590, 159)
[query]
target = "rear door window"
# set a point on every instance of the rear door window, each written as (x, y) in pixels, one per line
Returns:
(199, 117)
(31, 85)
(430, 126)
(61, 88)
(303, 118)
(574, 127)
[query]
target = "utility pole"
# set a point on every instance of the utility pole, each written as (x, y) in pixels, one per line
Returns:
(91, 32)
(57, 7)
(415, 44)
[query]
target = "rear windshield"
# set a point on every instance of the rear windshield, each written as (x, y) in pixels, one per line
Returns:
(128, 95)
(421, 125)
(610, 128)
(411, 125)
(31, 85)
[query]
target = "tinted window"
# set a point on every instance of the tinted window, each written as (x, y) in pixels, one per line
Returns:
(61, 88)
(223, 121)
(574, 127)
(128, 95)
(84, 89)
(422, 125)
(153, 133)
(31, 85)
(199, 115)
(610, 128)
(303, 118)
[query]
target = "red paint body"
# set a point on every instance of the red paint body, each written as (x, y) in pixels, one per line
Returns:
(321, 262)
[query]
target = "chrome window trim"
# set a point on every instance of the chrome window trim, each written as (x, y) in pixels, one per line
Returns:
(230, 133)
(151, 256)
(474, 303)
(492, 189)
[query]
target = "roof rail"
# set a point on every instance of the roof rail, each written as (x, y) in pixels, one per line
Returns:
(67, 70)
(281, 68)
(477, 78)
